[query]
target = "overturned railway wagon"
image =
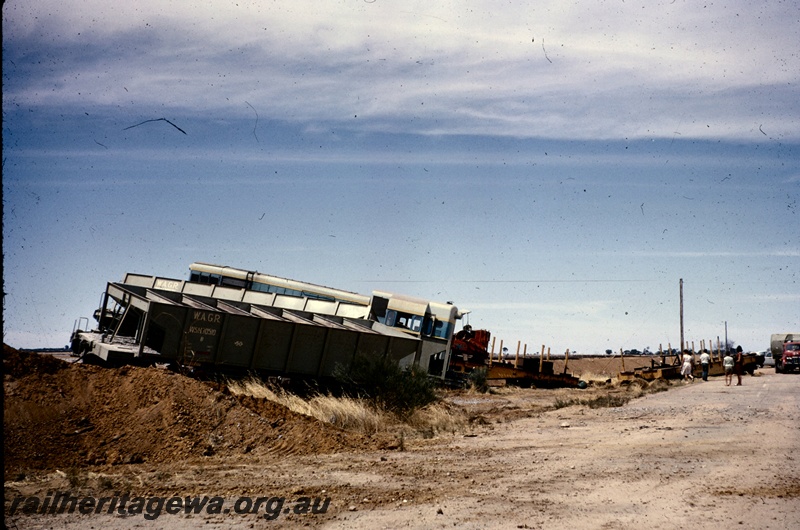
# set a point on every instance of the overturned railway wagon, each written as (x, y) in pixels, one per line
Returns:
(227, 319)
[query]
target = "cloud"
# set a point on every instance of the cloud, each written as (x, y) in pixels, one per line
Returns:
(549, 71)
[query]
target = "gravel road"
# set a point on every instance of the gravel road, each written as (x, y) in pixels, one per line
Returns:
(701, 455)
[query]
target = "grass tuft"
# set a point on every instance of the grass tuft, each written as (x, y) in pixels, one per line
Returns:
(605, 401)
(344, 412)
(360, 415)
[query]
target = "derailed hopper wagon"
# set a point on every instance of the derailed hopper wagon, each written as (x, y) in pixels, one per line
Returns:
(141, 321)
(229, 319)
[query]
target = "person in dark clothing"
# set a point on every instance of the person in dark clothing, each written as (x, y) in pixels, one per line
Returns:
(738, 365)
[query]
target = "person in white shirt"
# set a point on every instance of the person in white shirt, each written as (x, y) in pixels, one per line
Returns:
(727, 363)
(705, 360)
(686, 369)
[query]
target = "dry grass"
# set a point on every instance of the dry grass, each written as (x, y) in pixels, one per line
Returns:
(438, 418)
(596, 378)
(343, 412)
(355, 415)
(597, 402)
(622, 392)
(348, 413)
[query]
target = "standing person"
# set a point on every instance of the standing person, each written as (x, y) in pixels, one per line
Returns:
(738, 365)
(686, 369)
(728, 363)
(705, 359)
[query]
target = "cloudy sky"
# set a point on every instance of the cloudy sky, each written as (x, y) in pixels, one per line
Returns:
(554, 167)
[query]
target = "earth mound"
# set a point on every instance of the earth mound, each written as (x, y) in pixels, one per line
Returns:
(60, 415)
(18, 364)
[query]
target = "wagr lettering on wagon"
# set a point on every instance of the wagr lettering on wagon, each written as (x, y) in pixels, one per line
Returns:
(168, 285)
(211, 318)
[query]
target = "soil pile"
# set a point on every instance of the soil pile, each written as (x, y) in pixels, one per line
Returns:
(17, 364)
(59, 415)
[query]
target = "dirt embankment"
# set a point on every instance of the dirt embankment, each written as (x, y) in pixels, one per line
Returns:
(59, 415)
(700, 455)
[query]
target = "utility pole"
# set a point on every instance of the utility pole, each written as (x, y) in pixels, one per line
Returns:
(726, 336)
(681, 292)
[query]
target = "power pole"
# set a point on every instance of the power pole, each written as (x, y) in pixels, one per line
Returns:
(726, 336)
(681, 289)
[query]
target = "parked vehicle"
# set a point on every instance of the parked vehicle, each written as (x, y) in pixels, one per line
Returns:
(768, 360)
(760, 358)
(785, 349)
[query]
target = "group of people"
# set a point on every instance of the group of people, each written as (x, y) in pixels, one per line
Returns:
(732, 365)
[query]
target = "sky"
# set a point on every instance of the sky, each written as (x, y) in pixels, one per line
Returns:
(556, 168)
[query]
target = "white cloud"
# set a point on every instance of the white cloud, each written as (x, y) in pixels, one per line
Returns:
(579, 70)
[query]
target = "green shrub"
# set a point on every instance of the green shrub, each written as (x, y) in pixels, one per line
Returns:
(388, 386)
(478, 379)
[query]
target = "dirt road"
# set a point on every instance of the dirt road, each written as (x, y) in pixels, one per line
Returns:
(700, 455)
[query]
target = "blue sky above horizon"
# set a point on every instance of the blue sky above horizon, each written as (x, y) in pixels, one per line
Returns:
(554, 169)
